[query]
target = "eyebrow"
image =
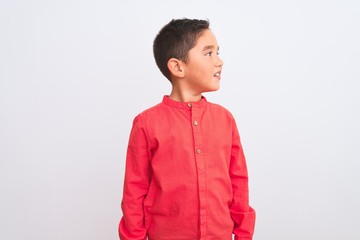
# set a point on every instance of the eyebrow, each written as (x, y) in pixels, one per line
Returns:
(210, 47)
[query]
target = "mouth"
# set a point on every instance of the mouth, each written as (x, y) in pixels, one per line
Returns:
(217, 74)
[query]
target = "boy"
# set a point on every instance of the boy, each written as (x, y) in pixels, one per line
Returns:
(186, 175)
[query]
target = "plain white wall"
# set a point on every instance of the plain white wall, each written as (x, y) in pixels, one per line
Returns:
(73, 74)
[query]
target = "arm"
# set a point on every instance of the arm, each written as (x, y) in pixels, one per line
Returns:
(136, 185)
(242, 214)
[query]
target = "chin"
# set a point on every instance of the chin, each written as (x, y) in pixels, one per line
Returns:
(213, 89)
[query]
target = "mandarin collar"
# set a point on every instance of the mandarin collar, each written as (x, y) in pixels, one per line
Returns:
(172, 103)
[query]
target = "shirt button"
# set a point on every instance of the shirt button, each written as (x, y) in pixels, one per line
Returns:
(196, 123)
(198, 151)
(189, 105)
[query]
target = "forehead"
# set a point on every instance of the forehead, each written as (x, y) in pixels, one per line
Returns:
(206, 38)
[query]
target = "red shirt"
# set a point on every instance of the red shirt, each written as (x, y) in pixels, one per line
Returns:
(186, 175)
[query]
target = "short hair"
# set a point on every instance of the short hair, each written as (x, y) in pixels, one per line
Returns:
(175, 40)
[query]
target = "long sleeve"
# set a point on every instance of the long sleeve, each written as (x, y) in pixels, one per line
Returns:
(185, 175)
(242, 214)
(136, 184)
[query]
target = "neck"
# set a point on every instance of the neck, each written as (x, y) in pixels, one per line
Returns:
(184, 96)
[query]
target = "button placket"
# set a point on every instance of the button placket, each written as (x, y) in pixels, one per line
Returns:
(197, 137)
(199, 158)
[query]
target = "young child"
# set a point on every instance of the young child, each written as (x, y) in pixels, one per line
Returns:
(186, 175)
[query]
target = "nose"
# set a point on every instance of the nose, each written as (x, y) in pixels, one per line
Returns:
(219, 62)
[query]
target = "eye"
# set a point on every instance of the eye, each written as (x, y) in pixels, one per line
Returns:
(208, 54)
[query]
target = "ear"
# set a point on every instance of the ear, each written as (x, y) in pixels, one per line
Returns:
(176, 67)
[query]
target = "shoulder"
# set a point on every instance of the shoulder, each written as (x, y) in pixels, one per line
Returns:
(150, 111)
(219, 109)
(150, 114)
(223, 115)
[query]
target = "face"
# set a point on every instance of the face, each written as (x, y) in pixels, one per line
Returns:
(203, 68)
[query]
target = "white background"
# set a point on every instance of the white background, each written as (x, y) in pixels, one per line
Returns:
(74, 73)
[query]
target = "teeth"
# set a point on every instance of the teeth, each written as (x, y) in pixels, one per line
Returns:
(217, 74)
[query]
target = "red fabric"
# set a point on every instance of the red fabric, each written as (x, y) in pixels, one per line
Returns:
(186, 175)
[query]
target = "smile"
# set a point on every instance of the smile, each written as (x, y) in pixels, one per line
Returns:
(217, 74)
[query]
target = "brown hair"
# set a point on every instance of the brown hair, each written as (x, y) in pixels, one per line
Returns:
(175, 40)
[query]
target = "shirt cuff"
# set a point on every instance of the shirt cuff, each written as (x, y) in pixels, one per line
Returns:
(243, 238)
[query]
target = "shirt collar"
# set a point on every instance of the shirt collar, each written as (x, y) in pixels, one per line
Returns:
(172, 103)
